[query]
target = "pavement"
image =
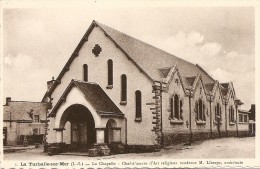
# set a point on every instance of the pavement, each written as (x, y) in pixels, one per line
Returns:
(11, 149)
(232, 148)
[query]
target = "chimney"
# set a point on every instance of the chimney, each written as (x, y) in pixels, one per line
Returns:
(50, 83)
(8, 99)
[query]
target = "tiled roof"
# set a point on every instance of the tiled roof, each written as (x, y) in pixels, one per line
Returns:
(21, 114)
(98, 98)
(150, 58)
(95, 95)
(23, 111)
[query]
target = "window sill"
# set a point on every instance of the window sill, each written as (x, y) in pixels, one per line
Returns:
(232, 123)
(138, 119)
(215, 122)
(123, 103)
(176, 121)
(200, 122)
(109, 87)
(243, 122)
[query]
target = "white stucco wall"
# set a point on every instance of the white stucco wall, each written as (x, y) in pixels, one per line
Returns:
(231, 102)
(218, 99)
(200, 94)
(173, 89)
(51, 137)
(97, 68)
(75, 96)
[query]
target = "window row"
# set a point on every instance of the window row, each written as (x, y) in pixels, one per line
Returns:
(176, 107)
(218, 113)
(109, 72)
(138, 95)
(200, 111)
(231, 114)
(243, 118)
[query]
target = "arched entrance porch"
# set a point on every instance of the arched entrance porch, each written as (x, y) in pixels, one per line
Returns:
(80, 134)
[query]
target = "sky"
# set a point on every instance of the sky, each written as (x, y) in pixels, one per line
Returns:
(37, 42)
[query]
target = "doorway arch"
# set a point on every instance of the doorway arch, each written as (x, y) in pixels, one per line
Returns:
(82, 127)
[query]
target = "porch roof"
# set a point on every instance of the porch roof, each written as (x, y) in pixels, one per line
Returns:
(95, 95)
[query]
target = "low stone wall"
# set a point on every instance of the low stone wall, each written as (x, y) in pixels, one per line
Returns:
(244, 133)
(198, 136)
(168, 138)
(232, 133)
(179, 138)
(175, 138)
(142, 148)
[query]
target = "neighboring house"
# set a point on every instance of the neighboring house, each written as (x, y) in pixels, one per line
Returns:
(115, 89)
(23, 119)
(252, 120)
(243, 122)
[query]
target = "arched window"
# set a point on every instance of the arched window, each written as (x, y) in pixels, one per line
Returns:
(138, 104)
(171, 105)
(200, 110)
(231, 114)
(181, 110)
(110, 73)
(203, 113)
(218, 112)
(85, 72)
(123, 89)
(197, 110)
(176, 107)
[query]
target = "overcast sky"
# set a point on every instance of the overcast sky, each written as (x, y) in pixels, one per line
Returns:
(38, 42)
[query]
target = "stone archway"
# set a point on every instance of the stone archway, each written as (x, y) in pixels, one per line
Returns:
(109, 134)
(82, 127)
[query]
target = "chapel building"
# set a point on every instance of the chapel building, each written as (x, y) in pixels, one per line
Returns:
(122, 92)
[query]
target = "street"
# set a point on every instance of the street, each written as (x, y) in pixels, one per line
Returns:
(217, 148)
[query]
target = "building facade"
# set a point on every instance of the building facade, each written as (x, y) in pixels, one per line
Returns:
(117, 90)
(23, 119)
(252, 120)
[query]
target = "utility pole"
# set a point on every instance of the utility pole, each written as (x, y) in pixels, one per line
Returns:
(210, 111)
(190, 95)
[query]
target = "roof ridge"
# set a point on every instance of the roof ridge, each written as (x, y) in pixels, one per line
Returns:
(204, 71)
(191, 76)
(145, 43)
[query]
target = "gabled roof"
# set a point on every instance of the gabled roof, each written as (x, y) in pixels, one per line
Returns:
(95, 95)
(196, 83)
(23, 110)
(150, 58)
(170, 74)
(22, 114)
(147, 58)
